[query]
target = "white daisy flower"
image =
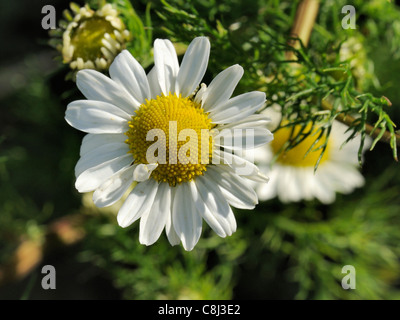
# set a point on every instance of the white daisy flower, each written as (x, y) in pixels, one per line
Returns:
(292, 175)
(132, 120)
(91, 39)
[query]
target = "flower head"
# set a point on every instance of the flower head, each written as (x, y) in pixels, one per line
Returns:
(92, 38)
(173, 141)
(292, 173)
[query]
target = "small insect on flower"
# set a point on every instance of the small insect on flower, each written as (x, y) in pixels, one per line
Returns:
(292, 173)
(90, 39)
(179, 145)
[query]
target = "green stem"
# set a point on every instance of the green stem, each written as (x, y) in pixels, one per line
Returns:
(386, 136)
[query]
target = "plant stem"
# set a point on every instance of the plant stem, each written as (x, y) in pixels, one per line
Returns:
(303, 24)
(369, 129)
(302, 27)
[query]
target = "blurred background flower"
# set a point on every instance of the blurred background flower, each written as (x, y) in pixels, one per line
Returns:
(304, 172)
(90, 39)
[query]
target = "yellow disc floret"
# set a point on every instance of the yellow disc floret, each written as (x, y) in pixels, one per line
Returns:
(173, 132)
(87, 38)
(298, 156)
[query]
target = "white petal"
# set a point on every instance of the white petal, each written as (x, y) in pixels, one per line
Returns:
(142, 172)
(293, 188)
(169, 228)
(343, 177)
(96, 86)
(153, 222)
(274, 113)
(252, 121)
(138, 202)
(323, 191)
(100, 155)
(268, 191)
(303, 180)
(96, 117)
(205, 212)
(236, 190)
(93, 177)
(193, 66)
(348, 150)
(186, 220)
(243, 138)
(94, 141)
(216, 203)
(199, 95)
(238, 107)
(240, 165)
(354, 177)
(263, 155)
(155, 89)
(310, 186)
(128, 73)
(285, 179)
(166, 63)
(222, 87)
(114, 188)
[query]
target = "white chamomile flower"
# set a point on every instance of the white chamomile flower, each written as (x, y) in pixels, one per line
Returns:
(91, 38)
(138, 126)
(292, 175)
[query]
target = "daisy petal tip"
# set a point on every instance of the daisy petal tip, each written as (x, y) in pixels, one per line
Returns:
(203, 38)
(82, 185)
(223, 234)
(81, 74)
(161, 42)
(188, 247)
(205, 41)
(230, 232)
(121, 55)
(125, 52)
(67, 117)
(238, 68)
(174, 243)
(145, 242)
(122, 222)
(264, 96)
(187, 243)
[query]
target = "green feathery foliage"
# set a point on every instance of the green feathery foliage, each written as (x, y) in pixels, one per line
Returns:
(317, 87)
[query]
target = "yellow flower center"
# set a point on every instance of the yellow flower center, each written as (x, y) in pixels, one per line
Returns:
(173, 132)
(87, 38)
(297, 156)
